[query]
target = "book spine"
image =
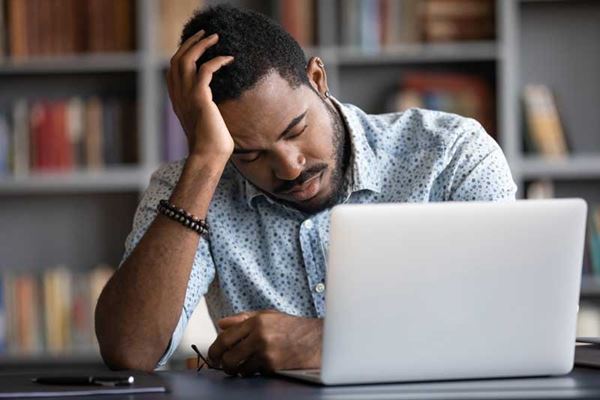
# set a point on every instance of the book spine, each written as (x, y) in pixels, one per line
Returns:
(5, 145)
(17, 23)
(93, 133)
(3, 29)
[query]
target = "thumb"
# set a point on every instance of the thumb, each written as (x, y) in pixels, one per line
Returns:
(228, 322)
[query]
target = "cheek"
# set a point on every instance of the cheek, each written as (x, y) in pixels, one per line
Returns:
(321, 146)
(258, 173)
(321, 141)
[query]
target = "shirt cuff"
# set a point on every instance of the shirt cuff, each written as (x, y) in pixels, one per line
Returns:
(175, 339)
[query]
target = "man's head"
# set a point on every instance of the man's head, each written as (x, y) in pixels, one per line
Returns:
(289, 139)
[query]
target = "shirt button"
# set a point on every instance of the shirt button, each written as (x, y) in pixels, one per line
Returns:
(320, 287)
(308, 224)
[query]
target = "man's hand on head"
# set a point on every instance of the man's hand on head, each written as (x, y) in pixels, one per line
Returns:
(265, 341)
(192, 99)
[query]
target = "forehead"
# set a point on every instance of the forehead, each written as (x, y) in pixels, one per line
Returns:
(265, 110)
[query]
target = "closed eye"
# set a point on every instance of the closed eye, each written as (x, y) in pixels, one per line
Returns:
(251, 157)
(297, 134)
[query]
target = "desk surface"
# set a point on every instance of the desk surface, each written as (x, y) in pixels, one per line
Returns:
(581, 383)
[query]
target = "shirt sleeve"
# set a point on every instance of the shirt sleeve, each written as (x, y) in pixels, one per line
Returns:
(203, 269)
(477, 170)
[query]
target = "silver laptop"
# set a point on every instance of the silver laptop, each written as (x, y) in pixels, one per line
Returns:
(451, 290)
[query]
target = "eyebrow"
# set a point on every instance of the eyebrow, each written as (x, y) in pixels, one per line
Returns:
(290, 126)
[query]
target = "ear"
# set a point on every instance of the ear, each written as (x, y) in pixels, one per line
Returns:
(317, 77)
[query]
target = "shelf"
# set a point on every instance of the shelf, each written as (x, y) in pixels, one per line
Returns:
(110, 179)
(328, 54)
(577, 167)
(590, 286)
(419, 53)
(103, 62)
(398, 54)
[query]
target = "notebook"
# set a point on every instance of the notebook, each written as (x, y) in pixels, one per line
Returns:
(21, 385)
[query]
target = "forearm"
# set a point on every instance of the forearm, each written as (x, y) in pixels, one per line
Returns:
(141, 304)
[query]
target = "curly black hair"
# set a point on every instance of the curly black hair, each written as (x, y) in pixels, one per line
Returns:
(259, 46)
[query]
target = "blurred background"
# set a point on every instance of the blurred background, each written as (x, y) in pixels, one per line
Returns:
(85, 119)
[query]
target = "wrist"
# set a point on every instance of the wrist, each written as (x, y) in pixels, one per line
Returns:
(216, 152)
(197, 184)
(206, 161)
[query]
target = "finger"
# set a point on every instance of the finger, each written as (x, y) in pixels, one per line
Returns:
(250, 367)
(238, 354)
(226, 339)
(231, 320)
(173, 69)
(183, 65)
(206, 71)
(187, 44)
(187, 61)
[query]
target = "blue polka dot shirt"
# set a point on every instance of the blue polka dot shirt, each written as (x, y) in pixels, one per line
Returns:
(265, 255)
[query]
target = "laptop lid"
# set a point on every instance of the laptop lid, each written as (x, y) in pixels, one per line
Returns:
(452, 290)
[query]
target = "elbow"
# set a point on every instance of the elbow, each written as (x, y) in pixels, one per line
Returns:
(120, 350)
(117, 358)
(120, 353)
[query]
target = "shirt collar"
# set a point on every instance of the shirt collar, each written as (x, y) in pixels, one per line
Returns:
(364, 172)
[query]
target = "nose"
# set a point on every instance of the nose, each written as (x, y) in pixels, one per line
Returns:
(288, 166)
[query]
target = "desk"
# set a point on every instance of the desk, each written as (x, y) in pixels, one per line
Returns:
(581, 383)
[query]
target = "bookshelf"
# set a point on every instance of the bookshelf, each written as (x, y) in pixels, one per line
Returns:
(579, 166)
(72, 64)
(111, 180)
(506, 62)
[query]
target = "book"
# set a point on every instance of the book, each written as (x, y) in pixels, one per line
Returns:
(541, 189)
(374, 24)
(5, 145)
(350, 26)
(370, 21)
(58, 27)
(410, 26)
(457, 20)
(21, 386)
(51, 311)
(173, 15)
(2, 30)
(17, 31)
(75, 129)
(93, 133)
(26, 295)
(543, 126)
(65, 134)
(463, 94)
(21, 141)
(297, 17)
(588, 320)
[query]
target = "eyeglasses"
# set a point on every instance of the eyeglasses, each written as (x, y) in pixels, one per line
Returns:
(204, 361)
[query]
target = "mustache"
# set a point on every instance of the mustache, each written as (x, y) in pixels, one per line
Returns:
(306, 175)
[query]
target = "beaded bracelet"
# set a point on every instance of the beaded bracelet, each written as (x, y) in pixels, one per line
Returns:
(183, 217)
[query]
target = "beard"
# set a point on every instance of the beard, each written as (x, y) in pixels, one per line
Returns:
(340, 155)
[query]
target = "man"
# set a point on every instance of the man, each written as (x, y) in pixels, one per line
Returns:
(270, 152)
